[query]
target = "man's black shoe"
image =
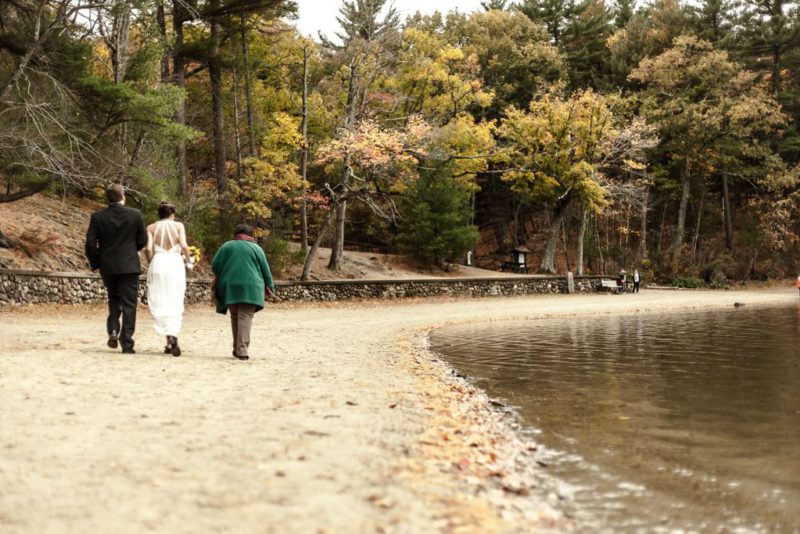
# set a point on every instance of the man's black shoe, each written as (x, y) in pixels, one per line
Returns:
(113, 341)
(128, 351)
(239, 357)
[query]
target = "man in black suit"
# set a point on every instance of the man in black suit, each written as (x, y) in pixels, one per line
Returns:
(115, 237)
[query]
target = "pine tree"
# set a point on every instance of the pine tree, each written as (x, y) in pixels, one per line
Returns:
(770, 44)
(580, 29)
(623, 11)
(362, 20)
(495, 5)
(770, 35)
(436, 219)
(714, 21)
(585, 43)
(555, 15)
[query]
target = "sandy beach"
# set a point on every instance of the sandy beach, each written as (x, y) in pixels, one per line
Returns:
(340, 422)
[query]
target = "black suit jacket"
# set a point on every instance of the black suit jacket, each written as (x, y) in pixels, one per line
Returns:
(115, 237)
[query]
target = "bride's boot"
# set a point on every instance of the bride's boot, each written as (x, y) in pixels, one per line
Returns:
(168, 346)
(176, 349)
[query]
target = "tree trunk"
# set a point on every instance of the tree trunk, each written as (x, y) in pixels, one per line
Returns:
(19, 195)
(751, 266)
(661, 228)
(179, 79)
(118, 42)
(564, 246)
(337, 248)
(236, 133)
(625, 244)
(696, 236)
(726, 209)
(304, 158)
(501, 232)
(643, 224)
(5, 242)
(119, 45)
(516, 209)
(312, 254)
(599, 248)
(248, 91)
(776, 69)
(40, 37)
(582, 239)
(680, 230)
(161, 21)
(137, 148)
(215, 74)
(548, 263)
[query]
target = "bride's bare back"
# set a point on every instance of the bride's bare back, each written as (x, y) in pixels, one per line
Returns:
(168, 235)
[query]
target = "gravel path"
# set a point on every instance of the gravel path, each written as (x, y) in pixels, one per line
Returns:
(340, 422)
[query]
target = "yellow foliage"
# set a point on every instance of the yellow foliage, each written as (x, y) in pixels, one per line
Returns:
(273, 177)
(556, 147)
(467, 145)
(436, 78)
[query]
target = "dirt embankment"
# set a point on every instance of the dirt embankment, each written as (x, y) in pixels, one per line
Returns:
(50, 234)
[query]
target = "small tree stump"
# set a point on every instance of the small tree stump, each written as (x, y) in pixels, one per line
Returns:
(5, 242)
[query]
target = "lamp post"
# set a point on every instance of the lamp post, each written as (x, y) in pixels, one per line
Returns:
(520, 259)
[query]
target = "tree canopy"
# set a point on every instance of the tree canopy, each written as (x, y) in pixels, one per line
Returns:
(598, 134)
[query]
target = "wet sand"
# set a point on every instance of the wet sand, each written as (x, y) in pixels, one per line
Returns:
(340, 422)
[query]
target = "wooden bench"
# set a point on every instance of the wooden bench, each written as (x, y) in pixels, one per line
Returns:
(514, 267)
(609, 285)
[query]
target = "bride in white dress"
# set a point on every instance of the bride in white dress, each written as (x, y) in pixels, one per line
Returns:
(166, 275)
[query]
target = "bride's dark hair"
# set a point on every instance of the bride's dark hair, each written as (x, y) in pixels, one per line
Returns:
(165, 209)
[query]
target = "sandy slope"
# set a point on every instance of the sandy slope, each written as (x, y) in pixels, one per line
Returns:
(51, 234)
(340, 423)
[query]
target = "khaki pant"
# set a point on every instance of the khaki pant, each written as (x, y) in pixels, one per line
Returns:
(241, 322)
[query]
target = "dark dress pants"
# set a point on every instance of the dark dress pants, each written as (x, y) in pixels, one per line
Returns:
(123, 296)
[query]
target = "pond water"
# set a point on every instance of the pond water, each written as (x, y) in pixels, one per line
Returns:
(680, 421)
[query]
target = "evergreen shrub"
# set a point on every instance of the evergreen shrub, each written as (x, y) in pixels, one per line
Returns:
(435, 224)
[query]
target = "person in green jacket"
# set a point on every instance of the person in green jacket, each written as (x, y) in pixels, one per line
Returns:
(242, 281)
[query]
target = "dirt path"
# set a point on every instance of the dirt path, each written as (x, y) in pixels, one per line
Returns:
(339, 423)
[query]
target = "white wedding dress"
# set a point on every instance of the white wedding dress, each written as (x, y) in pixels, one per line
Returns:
(166, 279)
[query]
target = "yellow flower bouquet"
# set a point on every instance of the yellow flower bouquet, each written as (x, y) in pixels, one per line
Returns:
(194, 257)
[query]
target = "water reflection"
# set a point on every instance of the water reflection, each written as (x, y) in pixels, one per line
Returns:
(687, 420)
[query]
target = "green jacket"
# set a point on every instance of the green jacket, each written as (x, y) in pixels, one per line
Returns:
(241, 272)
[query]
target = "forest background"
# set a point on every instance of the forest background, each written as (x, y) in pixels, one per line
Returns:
(661, 136)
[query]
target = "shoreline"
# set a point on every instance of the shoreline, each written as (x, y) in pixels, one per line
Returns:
(527, 495)
(354, 425)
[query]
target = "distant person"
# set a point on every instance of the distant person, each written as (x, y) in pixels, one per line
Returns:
(622, 279)
(115, 237)
(242, 282)
(168, 254)
(636, 280)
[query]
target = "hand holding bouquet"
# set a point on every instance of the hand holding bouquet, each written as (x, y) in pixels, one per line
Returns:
(194, 257)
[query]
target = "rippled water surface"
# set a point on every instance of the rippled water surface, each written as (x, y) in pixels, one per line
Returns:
(655, 422)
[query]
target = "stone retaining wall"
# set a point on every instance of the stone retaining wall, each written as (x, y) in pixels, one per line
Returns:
(26, 287)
